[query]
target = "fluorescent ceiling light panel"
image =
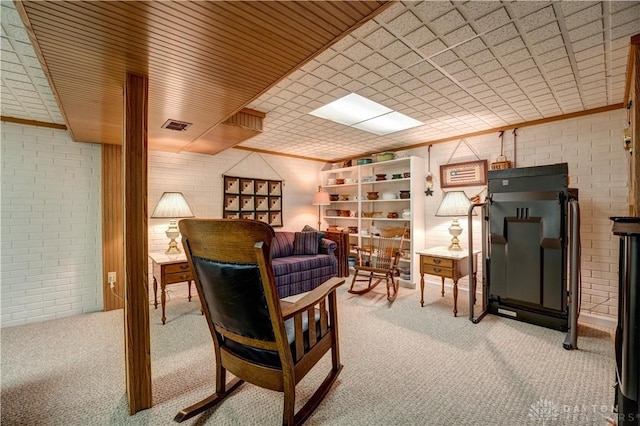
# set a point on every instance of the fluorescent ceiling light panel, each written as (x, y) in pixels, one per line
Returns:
(350, 109)
(364, 114)
(388, 123)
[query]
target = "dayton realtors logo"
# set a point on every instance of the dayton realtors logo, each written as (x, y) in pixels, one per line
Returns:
(544, 411)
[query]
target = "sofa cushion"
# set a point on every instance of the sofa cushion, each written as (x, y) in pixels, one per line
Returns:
(292, 264)
(282, 244)
(305, 243)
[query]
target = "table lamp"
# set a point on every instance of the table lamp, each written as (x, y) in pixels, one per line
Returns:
(320, 198)
(454, 204)
(172, 205)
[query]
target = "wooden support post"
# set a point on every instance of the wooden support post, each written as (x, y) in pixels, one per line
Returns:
(136, 305)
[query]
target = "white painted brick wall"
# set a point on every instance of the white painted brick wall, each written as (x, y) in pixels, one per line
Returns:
(51, 225)
(199, 178)
(598, 167)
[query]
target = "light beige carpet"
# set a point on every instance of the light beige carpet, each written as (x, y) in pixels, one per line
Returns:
(403, 365)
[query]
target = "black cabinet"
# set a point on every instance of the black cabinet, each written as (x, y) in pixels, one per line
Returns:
(628, 329)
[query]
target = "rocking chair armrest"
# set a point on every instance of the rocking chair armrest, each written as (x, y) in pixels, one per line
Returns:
(312, 298)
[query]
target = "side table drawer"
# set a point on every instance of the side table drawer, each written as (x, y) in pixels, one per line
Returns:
(439, 271)
(437, 261)
(176, 267)
(177, 277)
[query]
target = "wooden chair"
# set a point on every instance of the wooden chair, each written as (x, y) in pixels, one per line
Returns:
(258, 338)
(379, 260)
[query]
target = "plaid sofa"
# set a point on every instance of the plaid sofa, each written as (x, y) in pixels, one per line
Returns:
(302, 261)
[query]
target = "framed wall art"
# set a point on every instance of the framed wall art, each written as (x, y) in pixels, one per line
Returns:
(470, 173)
(247, 198)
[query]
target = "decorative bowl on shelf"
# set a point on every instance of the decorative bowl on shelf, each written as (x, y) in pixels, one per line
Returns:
(367, 179)
(404, 194)
(339, 181)
(385, 156)
(392, 215)
(334, 197)
(352, 229)
(331, 212)
(381, 176)
(344, 197)
(331, 181)
(407, 175)
(345, 213)
(396, 176)
(372, 195)
(371, 214)
(361, 161)
(389, 196)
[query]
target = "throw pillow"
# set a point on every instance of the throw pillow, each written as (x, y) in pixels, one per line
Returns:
(308, 228)
(305, 243)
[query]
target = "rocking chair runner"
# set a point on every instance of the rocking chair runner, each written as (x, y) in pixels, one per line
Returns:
(379, 260)
(258, 338)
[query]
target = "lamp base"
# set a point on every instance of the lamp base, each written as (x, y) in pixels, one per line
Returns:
(454, 230)
(172, 233)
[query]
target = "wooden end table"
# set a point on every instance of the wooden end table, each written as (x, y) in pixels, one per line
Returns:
(168, 269)
(445, 263)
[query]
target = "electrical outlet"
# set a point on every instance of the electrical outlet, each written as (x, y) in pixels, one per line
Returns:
(111, 277)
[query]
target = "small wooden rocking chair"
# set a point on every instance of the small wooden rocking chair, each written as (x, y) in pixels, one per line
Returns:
(379, 260)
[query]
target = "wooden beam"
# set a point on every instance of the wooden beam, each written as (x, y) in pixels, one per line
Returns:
(33, 122)
(136, 304)
(112, 226)
(634, 189)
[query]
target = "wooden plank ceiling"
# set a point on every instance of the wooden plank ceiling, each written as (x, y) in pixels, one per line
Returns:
(205, 60)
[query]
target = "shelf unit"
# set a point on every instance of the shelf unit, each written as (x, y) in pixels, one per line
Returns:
(359, 181)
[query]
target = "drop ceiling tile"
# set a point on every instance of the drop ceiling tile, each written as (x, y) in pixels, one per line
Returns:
(516, 57)
(432, 48)
(553, 55)
(586, 30)
(501, 34)
(495, 19)
(445, 58)
(558, 67)
(447, 22)
(406, 23)
(459, 35)
(487, 67)
(409, 59)
(394, 50)
(432, 76)
(543, 33)
(420, 36)
(480, 89)
(420, 69)
(495, 74)
(323, 72)
(627, 30)
(339, 62)
(464, 75)
(582, 17)
(354, 86)
(597, 61)
(427, 10)
(355, 71)
(508, 46)
(456, 67)
(526, 7)
(548, 45)
(470, 47)
(358, 51)
(528, 65)
(400, 77)
(538, 19)
(481, 57)
(627, 15)
(389, 68)
(370, 78)
(598, 69)
(588, 42)
(562, 79)
(379, 39)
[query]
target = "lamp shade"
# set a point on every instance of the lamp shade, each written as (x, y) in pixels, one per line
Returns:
(454, 203)
(321, 198)
(172, 205)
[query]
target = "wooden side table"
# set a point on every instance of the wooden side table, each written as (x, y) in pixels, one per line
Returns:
(445, 263)
(342, 250)
(168, 269)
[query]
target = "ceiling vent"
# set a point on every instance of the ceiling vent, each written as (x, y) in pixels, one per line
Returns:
(179, 126)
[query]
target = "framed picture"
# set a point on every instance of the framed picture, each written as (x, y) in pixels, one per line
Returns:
(470, 173)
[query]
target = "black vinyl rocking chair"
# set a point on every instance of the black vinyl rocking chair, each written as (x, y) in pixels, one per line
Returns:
(258, 338)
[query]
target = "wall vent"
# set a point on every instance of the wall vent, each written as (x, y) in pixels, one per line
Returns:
(177, 125)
